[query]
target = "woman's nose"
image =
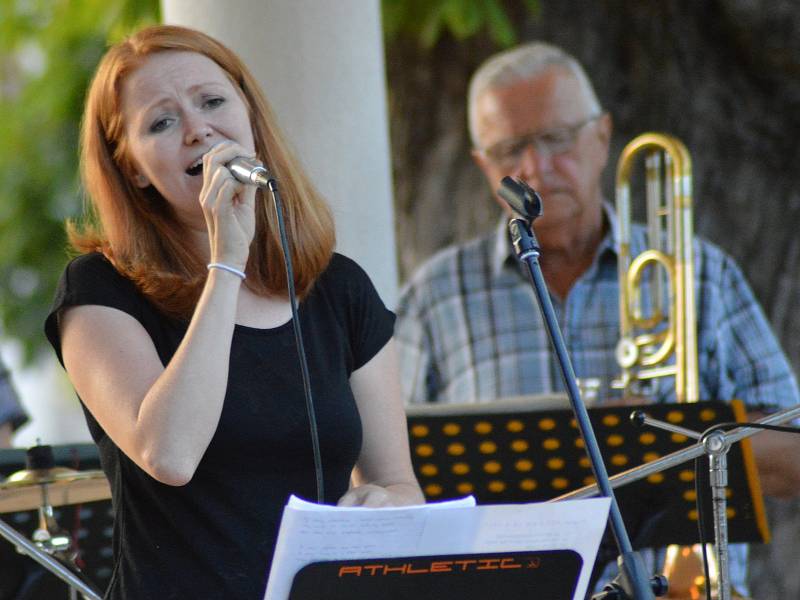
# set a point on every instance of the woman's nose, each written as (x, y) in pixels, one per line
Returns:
(196, 130)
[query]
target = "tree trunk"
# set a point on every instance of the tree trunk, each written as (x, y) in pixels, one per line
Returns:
(721, 75)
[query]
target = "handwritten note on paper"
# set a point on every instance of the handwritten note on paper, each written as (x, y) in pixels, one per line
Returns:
(311, 533)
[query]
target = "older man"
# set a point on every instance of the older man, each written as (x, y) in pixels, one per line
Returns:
(469, 328)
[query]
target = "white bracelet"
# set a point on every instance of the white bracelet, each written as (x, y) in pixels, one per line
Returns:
(227, 268)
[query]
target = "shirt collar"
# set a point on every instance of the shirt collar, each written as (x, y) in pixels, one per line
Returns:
(503, 253)
(610, 242)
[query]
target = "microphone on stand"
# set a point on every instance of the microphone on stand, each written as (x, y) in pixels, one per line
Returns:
(250, 171)
(522, 198)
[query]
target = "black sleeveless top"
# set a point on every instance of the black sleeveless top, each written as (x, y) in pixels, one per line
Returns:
(214, 537)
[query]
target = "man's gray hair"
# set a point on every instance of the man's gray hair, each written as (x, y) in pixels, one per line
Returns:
(521, 64)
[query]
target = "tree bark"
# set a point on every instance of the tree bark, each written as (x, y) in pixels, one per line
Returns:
(721, 75)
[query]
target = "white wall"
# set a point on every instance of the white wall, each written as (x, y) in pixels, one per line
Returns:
(45, 392)
(322, 68)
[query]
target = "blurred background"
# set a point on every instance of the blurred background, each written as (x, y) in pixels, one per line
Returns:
(722, 75)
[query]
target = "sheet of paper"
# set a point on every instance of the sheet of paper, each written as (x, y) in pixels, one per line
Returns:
(311, 532)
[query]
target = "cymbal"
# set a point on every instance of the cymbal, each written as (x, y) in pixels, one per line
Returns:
(23, 489)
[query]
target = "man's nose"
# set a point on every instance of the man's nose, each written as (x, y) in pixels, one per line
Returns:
(534, 164)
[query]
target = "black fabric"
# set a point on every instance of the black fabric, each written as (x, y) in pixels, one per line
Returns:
(214, 537)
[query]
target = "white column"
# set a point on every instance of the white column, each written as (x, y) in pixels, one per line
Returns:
(321, 66)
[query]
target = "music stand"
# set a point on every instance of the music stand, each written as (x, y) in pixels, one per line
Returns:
(89, 524)
(510, 451)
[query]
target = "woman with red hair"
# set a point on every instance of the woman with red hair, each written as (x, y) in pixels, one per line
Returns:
(175, 328)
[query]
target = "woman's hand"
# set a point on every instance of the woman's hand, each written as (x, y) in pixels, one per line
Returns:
(375, 496)
(228, 206)
(383, 475)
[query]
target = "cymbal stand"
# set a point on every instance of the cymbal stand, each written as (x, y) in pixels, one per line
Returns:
(51, 545)
(49, 536)
(715, 445)
(56, 542)
(41, 556)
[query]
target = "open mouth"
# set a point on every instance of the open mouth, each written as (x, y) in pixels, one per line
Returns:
(196, 168)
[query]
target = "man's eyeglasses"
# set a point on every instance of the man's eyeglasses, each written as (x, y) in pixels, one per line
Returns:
(548, 143)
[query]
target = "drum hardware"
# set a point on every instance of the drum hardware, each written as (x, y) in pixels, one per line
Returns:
(57, 486)
(42, 486)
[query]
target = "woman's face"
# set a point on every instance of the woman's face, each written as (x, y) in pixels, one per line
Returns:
(175, 107)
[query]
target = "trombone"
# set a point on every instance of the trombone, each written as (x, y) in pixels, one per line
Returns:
(648, 339)
(659, 338)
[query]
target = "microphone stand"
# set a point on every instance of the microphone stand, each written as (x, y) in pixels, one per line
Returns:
(632, 583)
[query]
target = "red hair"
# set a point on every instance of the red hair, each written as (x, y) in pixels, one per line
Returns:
(137, 229)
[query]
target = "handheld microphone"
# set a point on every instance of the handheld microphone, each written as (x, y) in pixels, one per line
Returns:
(250, 171)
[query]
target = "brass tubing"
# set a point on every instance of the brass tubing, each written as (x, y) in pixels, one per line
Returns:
(671, 256)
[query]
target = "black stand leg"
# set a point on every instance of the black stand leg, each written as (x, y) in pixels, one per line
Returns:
(633, 582)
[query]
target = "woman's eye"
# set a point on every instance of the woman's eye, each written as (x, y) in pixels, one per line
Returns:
(213, 102)
(160, 125)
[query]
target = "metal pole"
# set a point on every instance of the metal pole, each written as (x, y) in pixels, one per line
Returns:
(48, 562)
(717, 449)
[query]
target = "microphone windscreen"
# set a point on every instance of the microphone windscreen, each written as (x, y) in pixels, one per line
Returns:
(523, 199)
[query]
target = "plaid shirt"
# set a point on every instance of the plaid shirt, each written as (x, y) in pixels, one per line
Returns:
(469, 328)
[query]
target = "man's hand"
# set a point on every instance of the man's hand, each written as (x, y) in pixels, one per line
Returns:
(777, 455)
(626, 401)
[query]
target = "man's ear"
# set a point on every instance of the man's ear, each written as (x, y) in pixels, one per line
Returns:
(479, 159)
(491, 177)
(605, 127)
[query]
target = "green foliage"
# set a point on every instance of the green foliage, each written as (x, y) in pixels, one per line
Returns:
(48, 52)
(429, 20)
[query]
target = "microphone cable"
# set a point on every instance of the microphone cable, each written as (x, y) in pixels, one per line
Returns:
(298, 336)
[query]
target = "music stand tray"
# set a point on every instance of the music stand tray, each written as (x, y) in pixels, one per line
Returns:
(513, 451)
